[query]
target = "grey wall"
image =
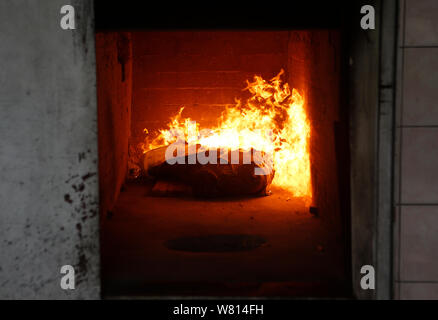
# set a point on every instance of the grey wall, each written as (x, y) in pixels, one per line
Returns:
(416, 196)
(48, 152)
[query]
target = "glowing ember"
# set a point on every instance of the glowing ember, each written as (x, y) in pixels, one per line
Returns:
(272, 107)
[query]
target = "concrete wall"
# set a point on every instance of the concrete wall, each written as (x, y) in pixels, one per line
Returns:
(416, 194)
(48, 154)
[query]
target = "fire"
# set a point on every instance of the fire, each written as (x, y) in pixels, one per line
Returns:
(272, 120)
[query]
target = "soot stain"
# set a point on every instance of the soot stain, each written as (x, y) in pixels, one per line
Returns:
(67, 198)
(71, 178)
(78, 188)
(81, 156)
(88, 175)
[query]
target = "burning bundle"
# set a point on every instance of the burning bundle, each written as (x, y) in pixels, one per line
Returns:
(209, 172)
(272, 121)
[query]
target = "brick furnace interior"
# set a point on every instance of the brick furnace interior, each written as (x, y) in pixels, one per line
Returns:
(216, 228)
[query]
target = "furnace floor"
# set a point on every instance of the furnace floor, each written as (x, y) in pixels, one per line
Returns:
(301, 256)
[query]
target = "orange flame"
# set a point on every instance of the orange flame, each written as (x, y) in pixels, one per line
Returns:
(272, 107)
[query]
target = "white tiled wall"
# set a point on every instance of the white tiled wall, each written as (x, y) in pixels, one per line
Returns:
(416, 233)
